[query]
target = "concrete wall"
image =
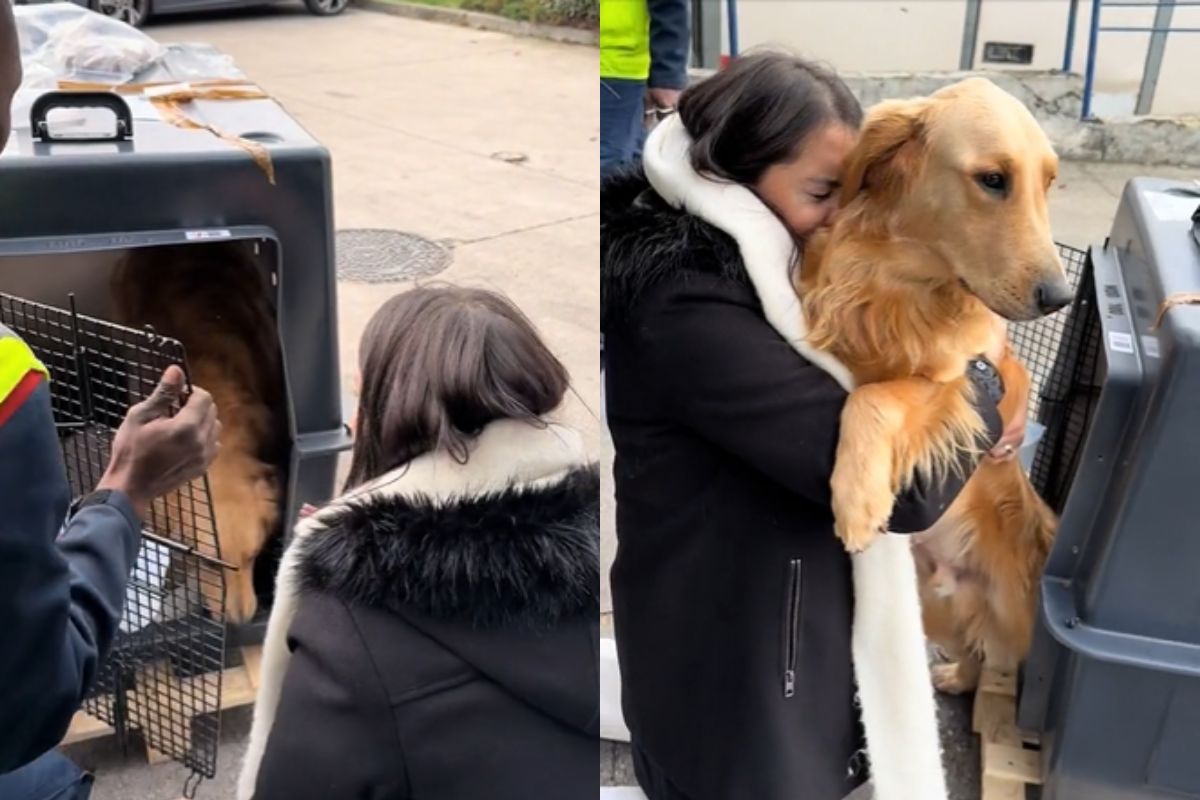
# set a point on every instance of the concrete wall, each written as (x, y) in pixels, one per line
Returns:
(922, 35)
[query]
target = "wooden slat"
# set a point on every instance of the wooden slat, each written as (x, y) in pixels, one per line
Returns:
(84, 726)
(998, 682)
(236, 688)
(990, 710)
(1011, 763)
(239, 686)
(252, 659)
(1001, 789)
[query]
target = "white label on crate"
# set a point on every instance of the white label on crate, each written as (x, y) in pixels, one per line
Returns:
(1150, 346)
(1173, 206)
(204, 236)
(1120, 342)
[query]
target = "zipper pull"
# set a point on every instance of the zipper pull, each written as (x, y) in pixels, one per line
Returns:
(789, 682)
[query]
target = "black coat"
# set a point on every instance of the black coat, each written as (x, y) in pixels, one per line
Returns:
(732, 596)
(445, 652)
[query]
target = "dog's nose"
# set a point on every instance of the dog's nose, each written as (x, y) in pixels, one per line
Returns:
(1053, 295)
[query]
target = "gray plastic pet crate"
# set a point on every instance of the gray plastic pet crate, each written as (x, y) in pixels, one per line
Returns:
(1113, 681)
(70, 208)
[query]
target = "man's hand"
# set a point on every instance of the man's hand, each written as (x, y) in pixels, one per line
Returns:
(662, 99)
(154, 453)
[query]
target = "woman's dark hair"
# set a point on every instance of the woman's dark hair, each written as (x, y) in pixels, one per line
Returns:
(439, 363)
(758, 111)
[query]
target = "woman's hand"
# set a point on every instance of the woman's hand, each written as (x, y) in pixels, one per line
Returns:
(1014, 434)
(1014, 429)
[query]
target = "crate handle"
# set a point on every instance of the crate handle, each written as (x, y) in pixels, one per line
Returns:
(1062, 618)
(52, 100)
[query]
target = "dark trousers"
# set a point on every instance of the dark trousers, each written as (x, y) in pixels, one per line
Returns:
(622, 120)
(654, 783)
(52, 776)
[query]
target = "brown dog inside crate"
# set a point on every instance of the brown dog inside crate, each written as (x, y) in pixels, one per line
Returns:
(216, 302)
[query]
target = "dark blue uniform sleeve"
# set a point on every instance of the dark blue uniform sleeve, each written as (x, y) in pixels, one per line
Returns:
(60, 601)
(669, 31)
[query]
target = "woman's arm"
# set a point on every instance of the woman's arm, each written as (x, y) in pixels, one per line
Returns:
(727, 375)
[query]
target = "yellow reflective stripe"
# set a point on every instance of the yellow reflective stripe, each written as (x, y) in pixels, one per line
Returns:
(16, 361)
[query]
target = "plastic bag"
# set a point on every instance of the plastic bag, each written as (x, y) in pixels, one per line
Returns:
(66, 41)
(197, 62)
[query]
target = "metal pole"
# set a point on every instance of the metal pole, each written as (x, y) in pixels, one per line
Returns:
(731, 8)
(1089, 74)
(1069, 47)
(1154, 56)
(706, 33)
(966, 59)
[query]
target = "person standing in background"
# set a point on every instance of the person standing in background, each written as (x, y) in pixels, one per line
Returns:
(643, 68)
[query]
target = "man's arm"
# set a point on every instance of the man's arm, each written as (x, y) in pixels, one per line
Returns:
(59, 602)
(669, 27)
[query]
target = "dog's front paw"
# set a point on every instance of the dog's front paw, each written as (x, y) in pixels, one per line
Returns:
(856, 538)
(953, 678)
(860, 513)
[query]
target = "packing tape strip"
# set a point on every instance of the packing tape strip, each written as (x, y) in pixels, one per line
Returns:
(169, 98)
(1179, 299)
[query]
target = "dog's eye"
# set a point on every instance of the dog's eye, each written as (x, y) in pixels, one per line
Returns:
(993, 182)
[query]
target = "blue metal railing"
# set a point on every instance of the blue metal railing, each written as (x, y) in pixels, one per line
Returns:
(731, 10)
(1158, 31)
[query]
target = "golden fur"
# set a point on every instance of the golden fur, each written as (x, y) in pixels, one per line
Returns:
(904, 289)
(213, 299)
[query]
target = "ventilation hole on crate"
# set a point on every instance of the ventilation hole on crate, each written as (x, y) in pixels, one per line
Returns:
(367, 255)
(263, 137)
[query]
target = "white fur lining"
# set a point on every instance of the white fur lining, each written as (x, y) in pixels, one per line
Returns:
(894, 686)
(508, 453)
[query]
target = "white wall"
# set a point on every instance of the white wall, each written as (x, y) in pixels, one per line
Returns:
(916, 35)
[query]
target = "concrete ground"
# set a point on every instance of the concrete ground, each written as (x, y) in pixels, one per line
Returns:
(413, 113)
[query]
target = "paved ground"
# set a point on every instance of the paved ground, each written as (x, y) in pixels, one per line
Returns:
(413, 113)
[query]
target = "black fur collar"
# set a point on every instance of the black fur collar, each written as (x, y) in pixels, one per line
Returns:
(522, 557)
(643, 241)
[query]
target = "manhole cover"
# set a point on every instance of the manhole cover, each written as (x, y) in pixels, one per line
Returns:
(381, 256)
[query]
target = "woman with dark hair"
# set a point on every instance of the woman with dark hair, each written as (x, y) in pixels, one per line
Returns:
(732, 597)
(434, 630)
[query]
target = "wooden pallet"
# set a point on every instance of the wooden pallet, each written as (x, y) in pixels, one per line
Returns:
(239, 685)
(1010, 758)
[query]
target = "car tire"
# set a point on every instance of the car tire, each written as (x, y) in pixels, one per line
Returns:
(131, 12)
(326, 8)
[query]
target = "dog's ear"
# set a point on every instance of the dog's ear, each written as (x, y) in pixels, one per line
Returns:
(888, 149)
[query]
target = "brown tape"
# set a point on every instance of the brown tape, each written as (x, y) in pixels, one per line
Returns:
(170, 106)
(1178, 299)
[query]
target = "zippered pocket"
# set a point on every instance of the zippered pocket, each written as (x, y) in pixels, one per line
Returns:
(791, 630)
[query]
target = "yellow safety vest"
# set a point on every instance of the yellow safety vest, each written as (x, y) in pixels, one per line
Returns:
(16, 361)
(624, 39)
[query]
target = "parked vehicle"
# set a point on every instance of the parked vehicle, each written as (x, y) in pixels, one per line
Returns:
(136, 12)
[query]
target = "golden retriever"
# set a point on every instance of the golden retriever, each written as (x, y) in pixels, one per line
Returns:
(943, 231)
(213, 299)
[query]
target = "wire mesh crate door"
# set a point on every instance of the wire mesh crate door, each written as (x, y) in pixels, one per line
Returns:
(164, 676)
(1062, 355)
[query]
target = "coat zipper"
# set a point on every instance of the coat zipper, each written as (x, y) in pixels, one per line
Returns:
(792, 648)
